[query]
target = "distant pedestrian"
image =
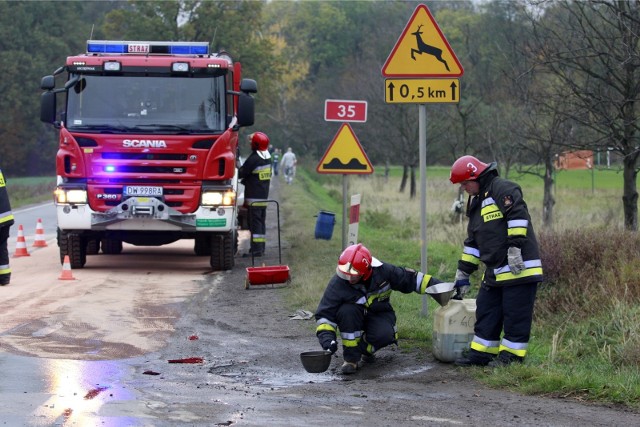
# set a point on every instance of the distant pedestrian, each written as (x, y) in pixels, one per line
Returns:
(255, 175)
(275, 160)
(6, 221)
(288, 164)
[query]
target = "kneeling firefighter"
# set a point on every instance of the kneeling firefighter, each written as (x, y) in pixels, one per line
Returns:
(357, 302)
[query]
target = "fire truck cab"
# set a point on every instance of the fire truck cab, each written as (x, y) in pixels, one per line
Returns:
(148, 146)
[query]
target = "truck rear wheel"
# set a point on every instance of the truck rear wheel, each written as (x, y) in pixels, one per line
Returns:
(222, 252)
(111, 246)
(93, 247)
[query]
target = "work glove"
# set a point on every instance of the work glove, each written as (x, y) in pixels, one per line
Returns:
(461, 284)
(332, 347)
(514, 258)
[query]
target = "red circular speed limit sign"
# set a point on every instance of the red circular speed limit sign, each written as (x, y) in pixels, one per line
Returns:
(340, 110)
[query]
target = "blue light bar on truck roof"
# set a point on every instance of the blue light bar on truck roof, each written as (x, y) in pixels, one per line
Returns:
(160, 48)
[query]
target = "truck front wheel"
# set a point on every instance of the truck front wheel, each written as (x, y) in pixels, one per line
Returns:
(202, 244)
(72, 244)
(222, 251)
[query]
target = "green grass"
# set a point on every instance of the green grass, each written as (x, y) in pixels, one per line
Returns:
(31, 190)
(585, 339)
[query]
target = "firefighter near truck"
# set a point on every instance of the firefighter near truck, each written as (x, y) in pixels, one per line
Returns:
(148, 142)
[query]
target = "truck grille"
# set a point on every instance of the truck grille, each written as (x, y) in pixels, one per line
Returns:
(106, 196)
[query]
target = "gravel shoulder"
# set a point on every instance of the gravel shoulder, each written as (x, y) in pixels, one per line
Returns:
(252, 375)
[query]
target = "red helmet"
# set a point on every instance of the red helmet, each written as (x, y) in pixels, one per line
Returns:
(259, 141)
(466, 168)
(354, 263)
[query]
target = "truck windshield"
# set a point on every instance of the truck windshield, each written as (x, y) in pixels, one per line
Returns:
(146, 104)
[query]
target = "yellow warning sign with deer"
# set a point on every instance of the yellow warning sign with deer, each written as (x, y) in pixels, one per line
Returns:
(345, 155)
(422, 50)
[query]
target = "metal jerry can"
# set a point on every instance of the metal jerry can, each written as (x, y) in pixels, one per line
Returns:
(453, 329)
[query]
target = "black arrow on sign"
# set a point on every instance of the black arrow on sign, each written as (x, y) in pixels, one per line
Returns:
(453, 90)
(391, 87)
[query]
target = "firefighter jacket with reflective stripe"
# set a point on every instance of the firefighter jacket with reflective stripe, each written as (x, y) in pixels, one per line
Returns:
(255, 174)
(498, 219)
(373, 294)
(6, 216)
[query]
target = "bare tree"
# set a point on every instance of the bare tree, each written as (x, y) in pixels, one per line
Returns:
(593, 48)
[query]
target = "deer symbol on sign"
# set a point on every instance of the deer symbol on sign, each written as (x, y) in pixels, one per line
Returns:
(426, 48)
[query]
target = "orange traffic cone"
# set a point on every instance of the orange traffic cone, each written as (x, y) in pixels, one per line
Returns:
(66, 270)
(39, 241)
(21, 244)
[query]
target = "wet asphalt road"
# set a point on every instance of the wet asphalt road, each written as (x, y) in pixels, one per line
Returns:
(98, 351)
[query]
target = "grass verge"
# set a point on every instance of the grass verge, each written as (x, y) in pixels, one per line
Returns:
(586, 347)
(31, 190)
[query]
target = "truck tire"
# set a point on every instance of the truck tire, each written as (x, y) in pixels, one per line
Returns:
(111, 246)
(93, 247)
(72, 244)
(222, 251)
(202, 244)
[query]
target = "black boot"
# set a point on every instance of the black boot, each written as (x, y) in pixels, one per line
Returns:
(505, 358)
(5, 279)
(474, 358)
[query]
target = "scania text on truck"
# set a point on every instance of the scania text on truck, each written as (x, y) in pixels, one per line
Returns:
(148, 141)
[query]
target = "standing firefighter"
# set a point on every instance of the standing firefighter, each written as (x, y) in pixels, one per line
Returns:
(255, 174)
(500, 235)
(357, 302)
(6, 221)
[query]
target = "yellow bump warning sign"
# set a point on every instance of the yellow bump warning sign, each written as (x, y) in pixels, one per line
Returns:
(422, 50)
(345, 155)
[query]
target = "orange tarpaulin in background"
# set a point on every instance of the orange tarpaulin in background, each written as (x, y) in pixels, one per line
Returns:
(582, 159)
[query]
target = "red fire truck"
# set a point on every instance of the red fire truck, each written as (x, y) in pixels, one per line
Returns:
(148, 144)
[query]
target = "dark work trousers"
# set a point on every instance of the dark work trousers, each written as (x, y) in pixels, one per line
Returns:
(509, 308)
(257, 221)
(378, 330)
(4, 255)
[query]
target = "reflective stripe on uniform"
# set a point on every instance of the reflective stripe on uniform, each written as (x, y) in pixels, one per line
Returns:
(257, 203)
(532, 267)
(326, 325)
(4, 269)
(517, 348)
(263, 172)
(517, 227)
(350, 339)
(6, 216)
(422, 281)
(258, 238)
(380, 295)
(470, 255)
(484, 346)
(490, 210)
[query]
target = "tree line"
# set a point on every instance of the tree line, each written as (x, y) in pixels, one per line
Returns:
(540, 77)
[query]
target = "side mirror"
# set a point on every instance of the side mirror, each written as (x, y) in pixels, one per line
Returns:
(48, 107)
(47, 83)
(248, 86)
(246, 110)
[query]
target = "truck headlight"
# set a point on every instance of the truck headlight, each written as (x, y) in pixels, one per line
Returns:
(71, 196)
(218, 198)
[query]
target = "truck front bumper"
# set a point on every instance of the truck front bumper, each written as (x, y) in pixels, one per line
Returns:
(145, 214)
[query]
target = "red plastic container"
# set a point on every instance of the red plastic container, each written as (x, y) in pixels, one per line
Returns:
(270, 274)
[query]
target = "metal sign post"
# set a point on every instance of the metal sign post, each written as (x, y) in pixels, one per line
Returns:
(422, 67)
(422, 137)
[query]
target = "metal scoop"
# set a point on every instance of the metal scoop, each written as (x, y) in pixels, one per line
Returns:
(442, 292)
